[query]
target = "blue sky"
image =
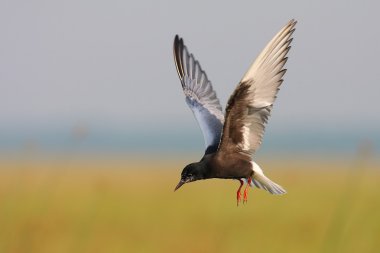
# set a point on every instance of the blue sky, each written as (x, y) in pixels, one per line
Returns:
(108, 64)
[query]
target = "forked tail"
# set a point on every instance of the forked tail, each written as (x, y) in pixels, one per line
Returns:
(262, 182)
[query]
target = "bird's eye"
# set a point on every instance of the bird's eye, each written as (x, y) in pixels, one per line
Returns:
(190, 175)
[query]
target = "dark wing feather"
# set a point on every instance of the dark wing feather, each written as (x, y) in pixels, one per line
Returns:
(200, 96)
(249, 106)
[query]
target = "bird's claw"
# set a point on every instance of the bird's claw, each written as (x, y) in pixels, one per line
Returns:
(238, 197)
(238, 193)
(245, 199)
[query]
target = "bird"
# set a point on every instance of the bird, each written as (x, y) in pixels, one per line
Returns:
(231, 139)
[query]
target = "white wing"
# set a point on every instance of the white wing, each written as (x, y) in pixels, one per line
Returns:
(249, 107)
(200, 96)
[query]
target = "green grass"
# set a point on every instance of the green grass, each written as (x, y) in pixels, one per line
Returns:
(122, 207)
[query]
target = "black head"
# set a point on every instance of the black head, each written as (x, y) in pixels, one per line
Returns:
(190, 173)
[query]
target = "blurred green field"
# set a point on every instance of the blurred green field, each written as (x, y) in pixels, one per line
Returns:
(121, 206)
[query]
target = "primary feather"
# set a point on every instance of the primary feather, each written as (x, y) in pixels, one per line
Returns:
(249, 107)
(200, 95)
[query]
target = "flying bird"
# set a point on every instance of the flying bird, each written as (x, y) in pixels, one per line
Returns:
(233, 138)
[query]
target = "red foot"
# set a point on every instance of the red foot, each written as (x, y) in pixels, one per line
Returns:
(238, 193)
(245, 199)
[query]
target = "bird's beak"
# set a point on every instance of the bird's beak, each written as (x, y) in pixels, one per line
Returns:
(181, 182)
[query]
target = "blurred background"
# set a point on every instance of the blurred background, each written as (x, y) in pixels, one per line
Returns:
(94, 130)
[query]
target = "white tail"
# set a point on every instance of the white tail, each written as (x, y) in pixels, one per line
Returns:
(262, 182)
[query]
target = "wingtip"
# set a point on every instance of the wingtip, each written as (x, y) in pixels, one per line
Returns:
(292, 23)
(177, 50)
(178, 40)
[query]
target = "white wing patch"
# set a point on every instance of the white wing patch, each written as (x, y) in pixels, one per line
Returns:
(245, 145)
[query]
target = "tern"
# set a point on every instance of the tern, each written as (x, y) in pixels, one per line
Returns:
(233, 138)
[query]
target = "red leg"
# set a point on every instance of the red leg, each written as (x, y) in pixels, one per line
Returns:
(238, 193)
(245, 200)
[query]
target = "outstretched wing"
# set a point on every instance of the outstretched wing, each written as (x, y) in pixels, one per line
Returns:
(249, 106)
(200, 96)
